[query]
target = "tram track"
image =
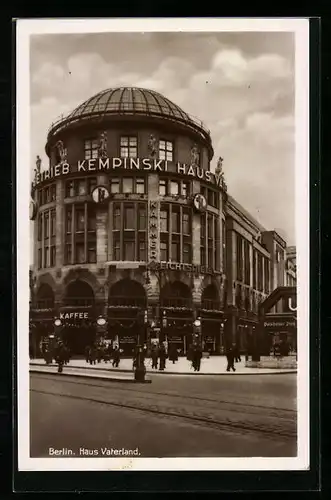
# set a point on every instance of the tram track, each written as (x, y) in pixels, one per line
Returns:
(287, 411)
(190, 409)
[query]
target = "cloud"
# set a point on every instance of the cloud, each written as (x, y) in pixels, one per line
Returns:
(240, 85)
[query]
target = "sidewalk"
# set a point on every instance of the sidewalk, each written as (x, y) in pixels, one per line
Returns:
(215, 365)
(77, 371)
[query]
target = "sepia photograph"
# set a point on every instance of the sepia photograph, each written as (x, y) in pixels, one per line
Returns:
(163, 244)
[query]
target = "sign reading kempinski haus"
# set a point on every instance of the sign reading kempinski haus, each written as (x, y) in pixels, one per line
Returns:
(144, 164)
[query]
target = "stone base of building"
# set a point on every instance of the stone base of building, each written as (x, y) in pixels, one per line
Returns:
(280, 363)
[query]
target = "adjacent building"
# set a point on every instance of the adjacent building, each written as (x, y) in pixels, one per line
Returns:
(132, 226)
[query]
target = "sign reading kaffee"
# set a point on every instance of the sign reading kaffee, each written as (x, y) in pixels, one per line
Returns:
(74, 315)
(144, 164)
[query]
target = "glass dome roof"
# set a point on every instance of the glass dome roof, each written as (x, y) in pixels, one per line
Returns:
(128, 101)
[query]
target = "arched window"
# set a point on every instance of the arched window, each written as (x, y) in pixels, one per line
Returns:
(176, 294)
(127, 292)
(45, 297)
(79, 293)
(210, 298)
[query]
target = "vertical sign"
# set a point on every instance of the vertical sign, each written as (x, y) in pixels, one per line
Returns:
(153, 231)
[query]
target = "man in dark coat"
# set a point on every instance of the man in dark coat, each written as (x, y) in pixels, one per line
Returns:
(230, 359)
(236, 353)
(60, 356)
(154, 356)
(116, 356)
(197, 355)
(173, 354)
(163, 356)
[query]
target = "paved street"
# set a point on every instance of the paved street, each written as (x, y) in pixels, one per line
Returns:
(173, 416)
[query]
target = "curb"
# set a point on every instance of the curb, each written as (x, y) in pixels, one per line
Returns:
(192, 373)
(97, 377)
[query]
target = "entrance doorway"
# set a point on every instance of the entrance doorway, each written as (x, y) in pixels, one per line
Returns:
(127, 303)
(79, 330)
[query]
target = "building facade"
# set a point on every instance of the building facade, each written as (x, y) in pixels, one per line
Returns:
(132, 226)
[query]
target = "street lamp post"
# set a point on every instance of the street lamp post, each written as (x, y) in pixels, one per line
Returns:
(140, 369)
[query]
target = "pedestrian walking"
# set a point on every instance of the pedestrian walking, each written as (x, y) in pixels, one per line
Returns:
(154, 356)
(236, 353)
(230, 359)
(60, 356)
(196, 357)
(162, 356)
(173, 354)
(116, 356)
(92, 355)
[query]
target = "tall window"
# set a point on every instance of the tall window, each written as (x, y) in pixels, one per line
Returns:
(174, 188)
(129, 147)
(185, 189)
(164, 251)
(47, 194)
(80, 234)
(129, 231)
(142, 218)
(140, 185)
(114, 185)
(91, 147)
(203, 245)
(239, 258)
(266, 275)
(175, 219)
(187, 253)
(46, 225)
(247, 263)
(254, 269)
(223, 244)
(127, 185)
(163, 187)
(53, 223)
(46, 238)
(260, 272)
(40, 226)
(129, 217)
(164, 221)
(175, 255)
(186, 223)
(165, 150)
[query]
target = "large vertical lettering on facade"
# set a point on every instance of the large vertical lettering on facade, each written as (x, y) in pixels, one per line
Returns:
(153, 231)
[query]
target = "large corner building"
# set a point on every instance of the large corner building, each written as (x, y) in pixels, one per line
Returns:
(131, 225)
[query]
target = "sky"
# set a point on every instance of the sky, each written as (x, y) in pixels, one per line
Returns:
(241, 85)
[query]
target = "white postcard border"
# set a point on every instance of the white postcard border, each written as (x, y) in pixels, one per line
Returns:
(27, 27)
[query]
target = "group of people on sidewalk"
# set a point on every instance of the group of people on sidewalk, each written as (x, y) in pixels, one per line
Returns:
(97, 353)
